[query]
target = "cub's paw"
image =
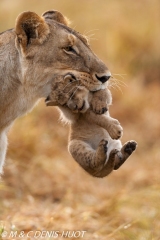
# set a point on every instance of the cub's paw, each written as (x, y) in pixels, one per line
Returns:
(115, 130)
(124, 154)
(103, 145)
(99, 101)
(99, 107)
(129, 147)
(102, 149)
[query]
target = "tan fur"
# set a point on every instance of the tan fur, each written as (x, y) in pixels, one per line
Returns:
(93, 138)
(31, 54)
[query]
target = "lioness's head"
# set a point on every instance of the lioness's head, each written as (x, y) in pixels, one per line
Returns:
(47, 46)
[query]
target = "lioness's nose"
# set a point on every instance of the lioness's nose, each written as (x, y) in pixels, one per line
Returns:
(103, 77)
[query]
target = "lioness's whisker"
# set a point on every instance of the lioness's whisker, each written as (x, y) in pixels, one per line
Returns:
(86, 33)
(119, 82)
(113, 84)
(74, 92)
(90, 37)
(71, 90)
(120, 74)
(70, 83)
(73, 86)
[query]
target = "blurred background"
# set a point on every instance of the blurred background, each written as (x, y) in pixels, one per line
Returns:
(43, 187)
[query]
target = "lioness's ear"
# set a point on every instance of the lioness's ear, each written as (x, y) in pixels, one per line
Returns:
(56, 16)
(30, 26)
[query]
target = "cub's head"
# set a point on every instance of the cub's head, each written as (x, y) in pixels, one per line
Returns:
(63, 88)
(68, 91)
(48, 47)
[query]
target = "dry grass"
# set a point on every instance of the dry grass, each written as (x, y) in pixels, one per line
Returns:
(43, 188)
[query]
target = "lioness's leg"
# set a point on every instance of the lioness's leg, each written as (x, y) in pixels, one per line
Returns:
(91, 160)
(3, 148)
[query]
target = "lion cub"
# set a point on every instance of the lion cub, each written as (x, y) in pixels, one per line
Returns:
(93, 134)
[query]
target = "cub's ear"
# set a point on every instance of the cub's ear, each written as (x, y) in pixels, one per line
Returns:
(30, 28)
(56, 16)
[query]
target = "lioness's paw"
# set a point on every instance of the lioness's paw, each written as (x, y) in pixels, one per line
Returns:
(115, 130)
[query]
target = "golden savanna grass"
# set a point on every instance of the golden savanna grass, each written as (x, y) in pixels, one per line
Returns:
(42, 187)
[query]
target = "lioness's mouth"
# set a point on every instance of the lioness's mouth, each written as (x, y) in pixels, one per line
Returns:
(47, 101)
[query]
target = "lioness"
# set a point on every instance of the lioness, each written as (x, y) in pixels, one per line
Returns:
(31, 54)
(92, 137)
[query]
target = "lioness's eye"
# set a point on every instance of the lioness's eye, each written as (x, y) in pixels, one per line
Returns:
(69, 50)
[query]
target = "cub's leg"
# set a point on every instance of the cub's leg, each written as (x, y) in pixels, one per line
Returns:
(117, 155)
(91, 160)
(3, 149)
(122, 155)
(112, 125)
(114, 146)
(96, 162)
(100, 101)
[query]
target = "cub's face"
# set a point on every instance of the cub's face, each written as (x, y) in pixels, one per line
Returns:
(63, 88)
(68, 91)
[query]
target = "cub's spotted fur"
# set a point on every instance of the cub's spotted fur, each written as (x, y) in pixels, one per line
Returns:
(94, 139)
